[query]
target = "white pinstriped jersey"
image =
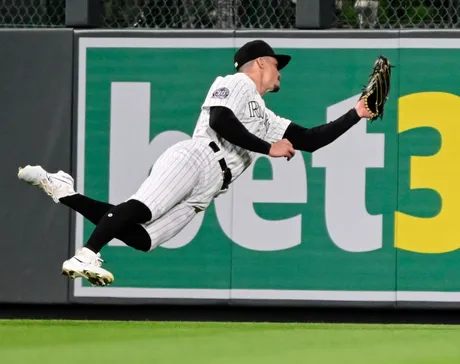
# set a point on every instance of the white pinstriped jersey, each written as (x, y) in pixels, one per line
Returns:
(238, 93)
(187, 177)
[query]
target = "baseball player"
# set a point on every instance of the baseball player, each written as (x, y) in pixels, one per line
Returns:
(233, 126)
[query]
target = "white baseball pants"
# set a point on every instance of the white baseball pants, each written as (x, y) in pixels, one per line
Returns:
(182, 182)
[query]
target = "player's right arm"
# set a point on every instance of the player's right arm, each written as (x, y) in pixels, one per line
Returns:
(224, 122)
(227, 103)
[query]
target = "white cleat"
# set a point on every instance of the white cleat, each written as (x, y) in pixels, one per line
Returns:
(87, 264)
(56, 185)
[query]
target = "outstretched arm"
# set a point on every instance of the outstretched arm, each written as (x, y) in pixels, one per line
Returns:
(312, 139)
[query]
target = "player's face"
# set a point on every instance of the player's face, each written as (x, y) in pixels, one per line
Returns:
(271, 75)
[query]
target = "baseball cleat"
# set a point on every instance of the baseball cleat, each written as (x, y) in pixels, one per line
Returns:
(55, 185)
(87, 264)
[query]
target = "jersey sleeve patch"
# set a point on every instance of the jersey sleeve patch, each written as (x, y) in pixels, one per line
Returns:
(221, 93)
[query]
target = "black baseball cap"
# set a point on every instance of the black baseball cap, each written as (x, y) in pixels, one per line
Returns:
(256, 49)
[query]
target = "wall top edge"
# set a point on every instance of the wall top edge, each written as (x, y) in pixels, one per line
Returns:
(346, 34)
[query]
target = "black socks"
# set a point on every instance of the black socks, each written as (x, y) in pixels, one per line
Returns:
(115, 221)
(119, 222)
(91, 209)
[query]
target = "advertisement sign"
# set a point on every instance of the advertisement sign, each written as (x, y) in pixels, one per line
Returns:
(371, 217)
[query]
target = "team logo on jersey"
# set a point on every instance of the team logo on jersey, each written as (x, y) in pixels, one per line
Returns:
(254, 109)
(221, 93)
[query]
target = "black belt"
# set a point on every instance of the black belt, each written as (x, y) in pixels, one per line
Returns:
(226, 172)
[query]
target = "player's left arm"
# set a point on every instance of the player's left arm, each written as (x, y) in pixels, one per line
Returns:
(312, 139)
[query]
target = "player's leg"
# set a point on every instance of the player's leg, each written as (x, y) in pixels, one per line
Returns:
(60, 187)
(172, 179)
(120, 219)
(87, 264)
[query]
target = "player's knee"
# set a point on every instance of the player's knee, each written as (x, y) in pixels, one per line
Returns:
(136, 211)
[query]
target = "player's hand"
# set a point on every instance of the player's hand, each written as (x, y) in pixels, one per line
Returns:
(282, 148)
(361, 110)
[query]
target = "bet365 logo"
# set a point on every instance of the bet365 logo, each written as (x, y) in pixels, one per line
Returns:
(349, 224)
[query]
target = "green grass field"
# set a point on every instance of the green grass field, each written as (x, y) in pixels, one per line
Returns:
(152, 342)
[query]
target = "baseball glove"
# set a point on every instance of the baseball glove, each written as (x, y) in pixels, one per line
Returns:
(375, 94)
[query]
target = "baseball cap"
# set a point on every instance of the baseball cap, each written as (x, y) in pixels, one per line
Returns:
(256, 49)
